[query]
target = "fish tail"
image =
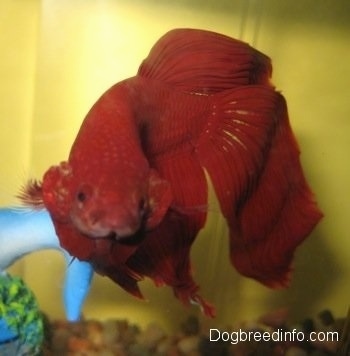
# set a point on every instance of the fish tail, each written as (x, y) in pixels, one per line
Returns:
(252, 158)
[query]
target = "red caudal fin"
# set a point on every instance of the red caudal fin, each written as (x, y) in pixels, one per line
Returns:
(234, 146)
(252, 158)
(204, 62)
(279, 214)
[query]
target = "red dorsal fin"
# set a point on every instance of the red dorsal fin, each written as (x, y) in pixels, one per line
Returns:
(205, 62)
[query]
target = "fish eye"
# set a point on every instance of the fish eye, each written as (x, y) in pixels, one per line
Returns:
(81, 197)
(83, 193)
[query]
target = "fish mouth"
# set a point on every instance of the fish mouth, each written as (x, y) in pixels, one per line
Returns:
(128, 234)
(128, 240)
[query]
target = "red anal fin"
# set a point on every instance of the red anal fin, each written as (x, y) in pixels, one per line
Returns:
(164, 255)
(207, 308)
(165, 250)
(165, 258)
(204, 62)
(109, 259)
(125, 278)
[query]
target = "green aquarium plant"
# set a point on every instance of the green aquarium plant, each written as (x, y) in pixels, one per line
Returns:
(21, 321)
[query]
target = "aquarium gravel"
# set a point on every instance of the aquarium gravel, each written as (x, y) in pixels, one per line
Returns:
(120, 337)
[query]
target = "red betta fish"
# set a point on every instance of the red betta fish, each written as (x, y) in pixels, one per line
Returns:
(128, 199)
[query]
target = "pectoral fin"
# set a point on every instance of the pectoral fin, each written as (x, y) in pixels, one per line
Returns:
(160, 198)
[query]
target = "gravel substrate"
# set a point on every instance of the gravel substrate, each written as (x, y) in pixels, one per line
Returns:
(122, 338)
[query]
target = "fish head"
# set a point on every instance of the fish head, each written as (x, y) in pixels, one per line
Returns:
(97, 205)
(108, 208)
(100, 205)
(120, 208)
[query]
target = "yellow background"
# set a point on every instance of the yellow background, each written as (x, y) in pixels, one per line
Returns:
(58, 56)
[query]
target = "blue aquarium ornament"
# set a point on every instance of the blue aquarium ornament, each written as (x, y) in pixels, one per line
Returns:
(24, 231)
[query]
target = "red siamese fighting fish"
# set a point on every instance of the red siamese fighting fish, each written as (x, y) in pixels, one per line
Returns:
(130, 197)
